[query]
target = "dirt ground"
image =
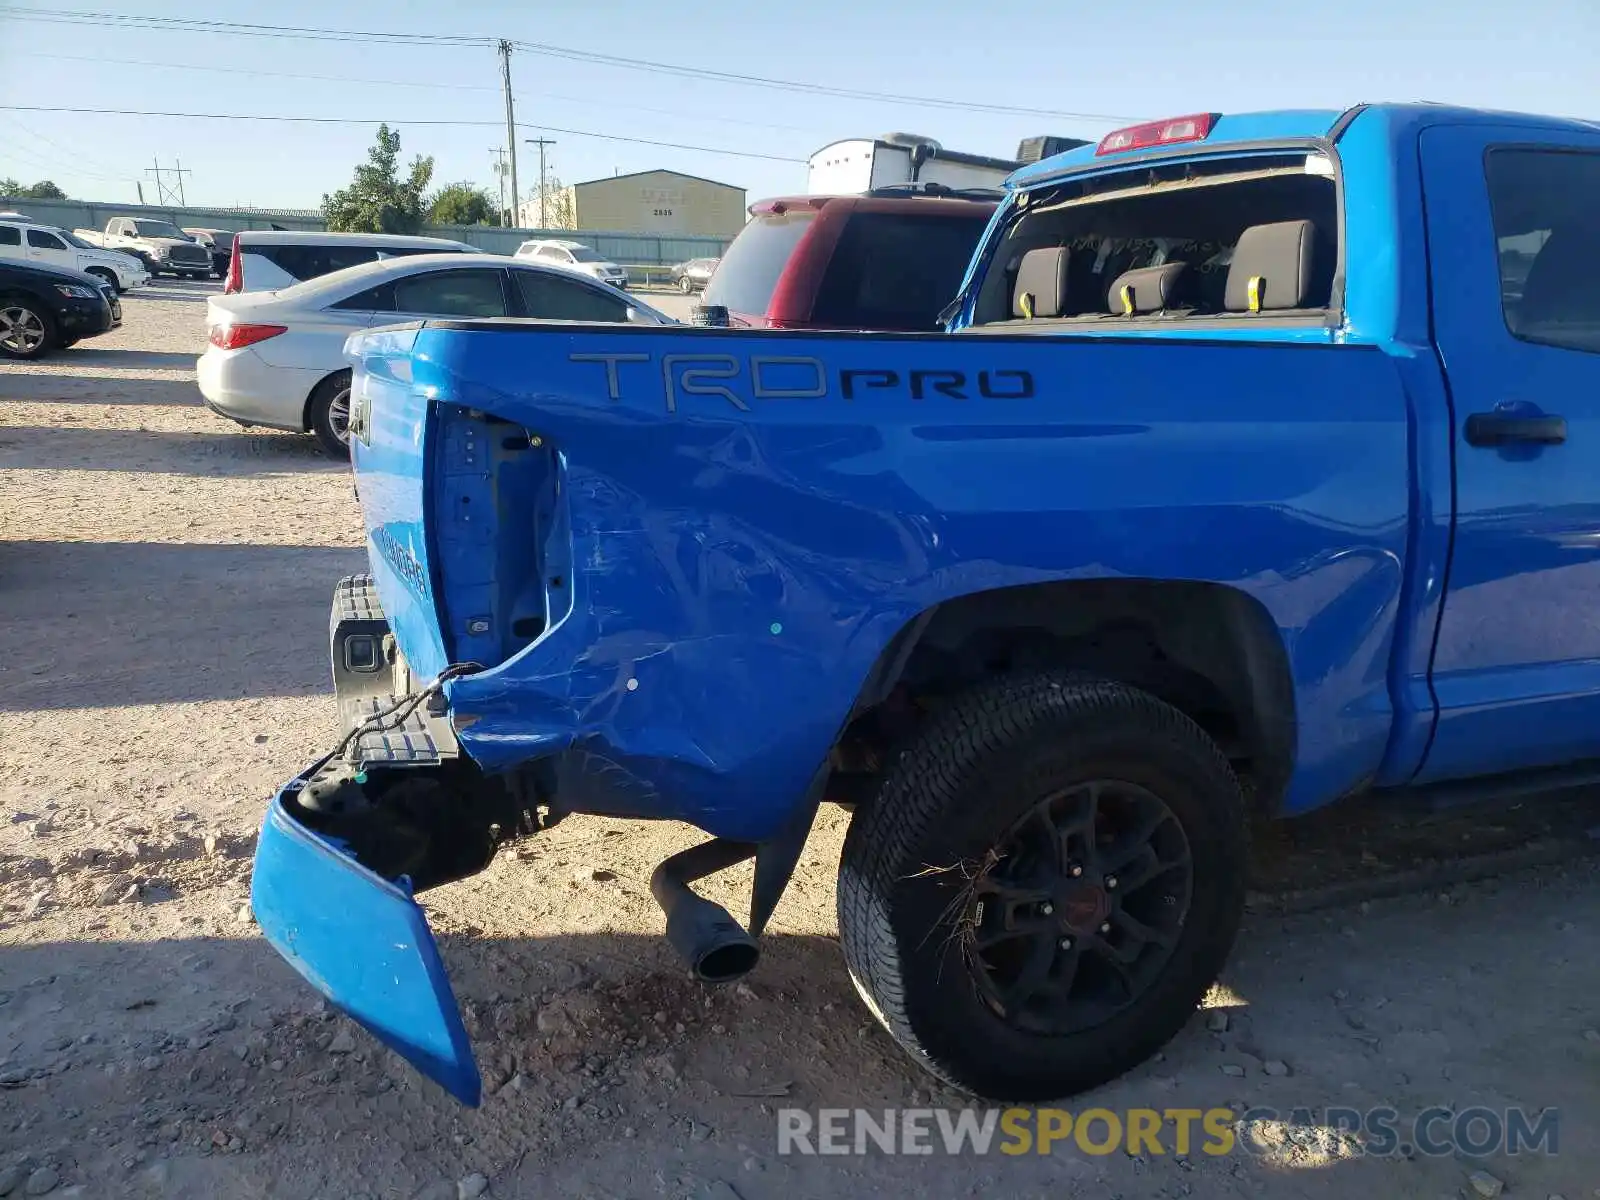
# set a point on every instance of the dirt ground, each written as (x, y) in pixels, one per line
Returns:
(164, 588)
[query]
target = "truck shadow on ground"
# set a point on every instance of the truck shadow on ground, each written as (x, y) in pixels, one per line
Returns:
(224, 453)
(170, 291)
(584, 1037)
(95, 624)
(90, 354)
(55, 387)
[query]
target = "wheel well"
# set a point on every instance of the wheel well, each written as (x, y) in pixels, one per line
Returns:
(1209, 650)
(311, 396)
(37, 303)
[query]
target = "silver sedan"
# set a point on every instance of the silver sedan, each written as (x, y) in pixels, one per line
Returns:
(276, 359)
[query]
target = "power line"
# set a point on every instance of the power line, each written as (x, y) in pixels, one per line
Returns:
(793, 85)
(139, 112)
(430, 85)
(38, 160)
(242, 29)
(105, 171)
(315, 33)
(374, 121)
(617, 137)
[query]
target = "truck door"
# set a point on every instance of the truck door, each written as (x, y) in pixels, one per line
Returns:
(1514, 256)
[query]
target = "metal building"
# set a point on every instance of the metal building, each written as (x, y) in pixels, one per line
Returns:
(660, 202)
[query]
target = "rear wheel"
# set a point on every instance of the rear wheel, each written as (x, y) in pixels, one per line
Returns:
(685, 285)
(328, 414)
(27, 330)
(1046, 885)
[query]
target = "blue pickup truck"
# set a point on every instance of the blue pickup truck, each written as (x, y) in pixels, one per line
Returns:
(1247, 475)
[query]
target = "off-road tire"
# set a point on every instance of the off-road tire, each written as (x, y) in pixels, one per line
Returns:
(317, 415)
(965, 779)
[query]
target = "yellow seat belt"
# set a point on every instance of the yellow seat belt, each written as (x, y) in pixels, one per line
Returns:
(1256, 284)
(1025, 303)
(1127, 299)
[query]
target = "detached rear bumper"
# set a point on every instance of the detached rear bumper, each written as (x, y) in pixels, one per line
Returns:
(347, 843)
(362, 941)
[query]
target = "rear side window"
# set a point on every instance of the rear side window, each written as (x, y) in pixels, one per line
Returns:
(750, 270)
(896, 270)
(566, 300)
(374, 299)
(308, 262)
(451, 294)
(1543, 204)
(10, 235)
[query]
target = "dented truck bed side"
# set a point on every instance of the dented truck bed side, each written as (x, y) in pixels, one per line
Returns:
(735, 527)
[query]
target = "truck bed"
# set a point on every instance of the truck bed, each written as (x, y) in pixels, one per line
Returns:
(679, 553)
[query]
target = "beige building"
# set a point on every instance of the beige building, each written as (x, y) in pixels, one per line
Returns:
(663, 202)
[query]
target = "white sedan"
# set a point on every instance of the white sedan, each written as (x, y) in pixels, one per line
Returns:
(276, 359)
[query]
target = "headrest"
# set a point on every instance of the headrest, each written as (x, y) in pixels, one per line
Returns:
(1041, 285)
(1148, 289)
(1271, 267)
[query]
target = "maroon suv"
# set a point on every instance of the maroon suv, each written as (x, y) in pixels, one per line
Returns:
(871, 261)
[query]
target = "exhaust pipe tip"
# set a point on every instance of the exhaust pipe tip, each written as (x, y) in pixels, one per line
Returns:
(716, 947)
(706, 936)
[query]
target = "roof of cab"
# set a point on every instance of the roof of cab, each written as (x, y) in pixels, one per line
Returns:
(1288, 125)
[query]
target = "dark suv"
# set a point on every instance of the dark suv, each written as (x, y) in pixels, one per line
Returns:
(50, 308)
(890, 259)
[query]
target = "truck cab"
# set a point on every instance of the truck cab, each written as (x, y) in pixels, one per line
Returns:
(157, 242)
(1247, 472)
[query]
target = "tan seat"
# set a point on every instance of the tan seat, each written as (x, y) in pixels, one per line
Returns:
(1041, 287)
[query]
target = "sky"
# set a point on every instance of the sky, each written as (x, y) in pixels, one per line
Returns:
(1077, 69)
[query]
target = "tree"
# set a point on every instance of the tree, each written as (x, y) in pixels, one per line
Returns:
(560, 207)
(378, 200)
(463, 204)
(43, 190)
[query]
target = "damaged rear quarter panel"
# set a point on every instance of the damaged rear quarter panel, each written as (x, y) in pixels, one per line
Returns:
(753, 517)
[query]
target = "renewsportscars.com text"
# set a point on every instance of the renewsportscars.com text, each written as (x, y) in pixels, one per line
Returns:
(1374, 1132)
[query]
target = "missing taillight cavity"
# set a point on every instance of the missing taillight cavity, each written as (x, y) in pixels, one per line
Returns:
(235, 337)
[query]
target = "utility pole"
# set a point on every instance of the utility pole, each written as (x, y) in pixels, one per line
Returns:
(541, 143)
(168, 194)
(500, 174)
(511, 124)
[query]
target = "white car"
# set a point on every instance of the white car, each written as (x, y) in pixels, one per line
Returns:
(277, 358)
(266, 259)
(575, 257)
(25, 240)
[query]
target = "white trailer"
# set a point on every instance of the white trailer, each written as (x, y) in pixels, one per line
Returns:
(859, 165)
